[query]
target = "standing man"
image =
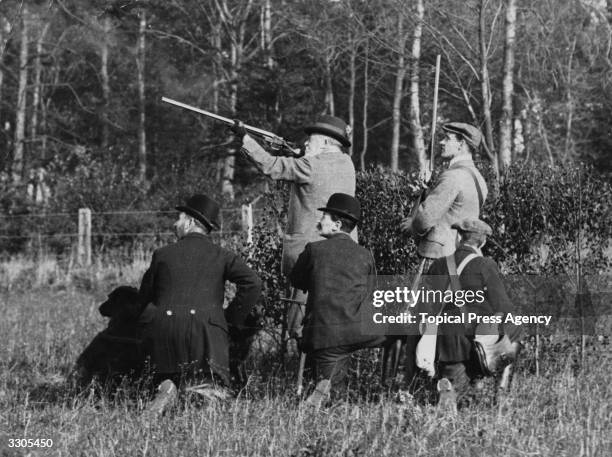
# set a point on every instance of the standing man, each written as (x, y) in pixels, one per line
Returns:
(459, 194)
(335, 273)
(188, 335)
(322, 170)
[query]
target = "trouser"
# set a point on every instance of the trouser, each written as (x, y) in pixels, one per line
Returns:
(295, 313)
(333, 363)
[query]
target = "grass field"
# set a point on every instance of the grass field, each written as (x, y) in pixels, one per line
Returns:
(563, 412)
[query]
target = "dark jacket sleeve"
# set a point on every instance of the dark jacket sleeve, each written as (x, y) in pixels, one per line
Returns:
(300, 274)
(248, 290)
(148, 281)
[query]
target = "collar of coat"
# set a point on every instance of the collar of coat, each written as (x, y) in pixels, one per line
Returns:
(471, 249)
(195, 235)
(340, 235)
(462, 160)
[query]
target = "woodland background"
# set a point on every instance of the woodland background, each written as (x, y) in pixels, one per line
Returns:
(81, 82)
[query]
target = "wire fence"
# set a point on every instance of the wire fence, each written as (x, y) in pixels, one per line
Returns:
(87, 233)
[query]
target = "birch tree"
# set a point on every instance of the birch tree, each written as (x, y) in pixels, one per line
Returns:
(20, 116)
(140, 64)
(505, 124)
(418, 143)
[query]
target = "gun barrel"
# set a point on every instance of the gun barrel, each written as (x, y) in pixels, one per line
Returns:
(226, 120)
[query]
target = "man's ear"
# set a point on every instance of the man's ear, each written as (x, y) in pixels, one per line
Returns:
(338, 225)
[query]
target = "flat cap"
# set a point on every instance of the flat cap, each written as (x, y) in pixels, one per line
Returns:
(466, 131)
(474, 226)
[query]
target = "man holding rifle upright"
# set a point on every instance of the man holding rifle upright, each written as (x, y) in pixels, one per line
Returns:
(324, 169)
(459, 194)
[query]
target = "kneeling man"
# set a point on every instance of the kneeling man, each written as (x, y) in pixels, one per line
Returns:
(480, 348)
(335, 273)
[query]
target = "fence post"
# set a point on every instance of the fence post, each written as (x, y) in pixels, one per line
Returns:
(84, 246)
(247, 221)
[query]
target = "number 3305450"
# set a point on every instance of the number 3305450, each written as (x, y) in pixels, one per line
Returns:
(30, 442)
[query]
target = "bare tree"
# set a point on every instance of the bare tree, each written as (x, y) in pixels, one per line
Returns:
(418, 143)
(20, 118)
(104, 55)
(485, 83)
(398, 92)
(505, 124)
(366, 98)
(140, 64)
(36, 89)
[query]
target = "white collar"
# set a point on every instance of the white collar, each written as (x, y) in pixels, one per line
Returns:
(460, 158)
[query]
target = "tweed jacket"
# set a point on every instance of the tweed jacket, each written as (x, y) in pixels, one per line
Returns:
(186, 283)
(313, 180)
(335, 274)
(480, 274)
(453, 199)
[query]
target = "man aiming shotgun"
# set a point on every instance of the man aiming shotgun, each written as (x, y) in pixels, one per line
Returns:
(324, 169)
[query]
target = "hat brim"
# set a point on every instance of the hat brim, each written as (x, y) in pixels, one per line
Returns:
(465, 135)
(199, 216)
(325, 129)
(339, 213)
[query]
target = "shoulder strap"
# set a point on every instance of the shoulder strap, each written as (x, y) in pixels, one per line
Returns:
(465, 261)
(454, 271)
(477, 184)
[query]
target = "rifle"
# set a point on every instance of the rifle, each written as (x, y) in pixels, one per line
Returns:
(391, 354)
(277, 144)
(432, 142)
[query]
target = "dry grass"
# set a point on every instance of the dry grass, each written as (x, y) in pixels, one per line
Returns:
(564, 412)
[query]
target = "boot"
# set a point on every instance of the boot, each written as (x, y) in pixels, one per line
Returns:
(320, 395)
(448, 397)
(166, 396)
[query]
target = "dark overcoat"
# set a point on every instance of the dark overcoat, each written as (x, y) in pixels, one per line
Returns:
(186, 283)
(335, 274)
(480, 274)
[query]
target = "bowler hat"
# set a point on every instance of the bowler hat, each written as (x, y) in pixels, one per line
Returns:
(473, 225)
(202, 208)
(466, 131)
(343, 205)
(331, 126)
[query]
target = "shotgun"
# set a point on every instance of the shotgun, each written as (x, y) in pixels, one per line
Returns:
(277, 144)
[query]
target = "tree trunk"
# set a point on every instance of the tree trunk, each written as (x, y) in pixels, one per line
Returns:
(505, 124)
(142, 139)
(5, 30)
(364, 146)
(266, 33)
(352, 85)
(37, 76)
(329, 88)
(227, 183)
(106, 26)
(485, 86)
(418, 143)
(397, 94)
(20, 121)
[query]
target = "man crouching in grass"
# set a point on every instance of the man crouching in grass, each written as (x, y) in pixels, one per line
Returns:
(335, 273)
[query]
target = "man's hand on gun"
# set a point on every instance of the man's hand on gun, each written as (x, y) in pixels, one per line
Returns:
(238, 129)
